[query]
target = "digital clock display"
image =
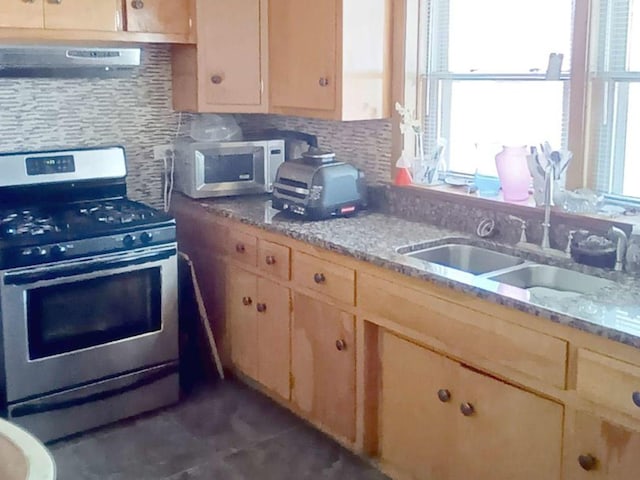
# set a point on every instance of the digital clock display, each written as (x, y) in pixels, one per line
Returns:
(50, 165)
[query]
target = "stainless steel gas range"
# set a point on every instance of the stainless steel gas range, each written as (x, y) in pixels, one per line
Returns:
(88, 294)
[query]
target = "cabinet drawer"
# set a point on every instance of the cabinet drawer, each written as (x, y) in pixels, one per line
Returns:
(609, 382)
(326, 277)
(242, 247)
(274, 259)
(475, 335)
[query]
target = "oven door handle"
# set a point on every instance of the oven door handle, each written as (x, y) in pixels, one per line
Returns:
(44, 406)
(72, 271)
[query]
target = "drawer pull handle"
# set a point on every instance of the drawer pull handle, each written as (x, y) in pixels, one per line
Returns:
(246, 301)
(341, 345)
(137, 4)
(444, 395)
(271, 260)
(587, 462)
(216, 79)
(467, 409)
(635, 396)
(240, 247)
(261, 307)
(323, 82)
(319, 278)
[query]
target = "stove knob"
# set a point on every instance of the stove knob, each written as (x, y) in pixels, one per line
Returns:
(146, 237)
(128, 240)
(58, 251)
(38, 252)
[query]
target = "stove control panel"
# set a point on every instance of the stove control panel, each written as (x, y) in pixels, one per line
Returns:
(88, 247)
(49, 165)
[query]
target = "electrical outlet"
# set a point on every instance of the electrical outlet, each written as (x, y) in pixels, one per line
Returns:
(161, 152)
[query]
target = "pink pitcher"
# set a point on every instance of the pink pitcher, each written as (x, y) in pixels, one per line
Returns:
(513, 172)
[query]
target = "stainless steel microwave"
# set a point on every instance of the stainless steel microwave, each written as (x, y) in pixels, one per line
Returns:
(216, 169)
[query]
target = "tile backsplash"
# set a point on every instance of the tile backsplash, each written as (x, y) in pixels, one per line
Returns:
(365, 144)
(136, 112)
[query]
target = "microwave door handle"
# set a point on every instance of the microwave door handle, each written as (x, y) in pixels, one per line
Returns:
(76, 270)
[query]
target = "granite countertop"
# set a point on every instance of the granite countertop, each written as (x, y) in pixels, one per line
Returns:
(612, 312)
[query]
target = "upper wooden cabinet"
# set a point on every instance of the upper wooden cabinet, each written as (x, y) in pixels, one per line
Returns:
(21, 14)
(226, 71)
(330, 59)
(105, 15)
(159, 16)
(162, 21)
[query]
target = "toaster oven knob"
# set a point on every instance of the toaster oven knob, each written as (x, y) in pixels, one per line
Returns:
(128, 240)
(58, 251)
(146, 237)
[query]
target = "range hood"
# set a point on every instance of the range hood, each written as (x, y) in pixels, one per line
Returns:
(67, 62)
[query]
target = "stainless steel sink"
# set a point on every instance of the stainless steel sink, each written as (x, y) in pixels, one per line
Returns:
(468, 258)
(534, 277)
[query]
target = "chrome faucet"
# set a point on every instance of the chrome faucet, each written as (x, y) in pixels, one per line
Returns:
(621, 246)
(548, 199)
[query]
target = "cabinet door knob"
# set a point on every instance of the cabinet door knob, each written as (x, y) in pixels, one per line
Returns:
(28, 1)
(467, 409)
(246, 301)
(270, 260)
(240, 247)
(341, 345)
(319, 278)
(635, 396)
(261, 307)
(587, 462)
(137, 4)
(216, 79)
(444, 395)
(324, 82)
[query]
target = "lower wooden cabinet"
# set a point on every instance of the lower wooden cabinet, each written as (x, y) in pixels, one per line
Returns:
(440, 420)
(596, 449)
(258, 317)
(323, 365)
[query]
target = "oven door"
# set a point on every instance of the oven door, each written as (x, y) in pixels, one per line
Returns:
(231, 169)
(74, 322)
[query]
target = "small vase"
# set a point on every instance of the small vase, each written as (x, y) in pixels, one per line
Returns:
(403, 176)
(513, 173)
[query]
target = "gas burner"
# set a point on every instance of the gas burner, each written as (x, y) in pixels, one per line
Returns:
(114, 213)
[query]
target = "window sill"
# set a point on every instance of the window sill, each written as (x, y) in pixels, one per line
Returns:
(525, 208)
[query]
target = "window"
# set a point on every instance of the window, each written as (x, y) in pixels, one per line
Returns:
(490, 78)
(615, 97)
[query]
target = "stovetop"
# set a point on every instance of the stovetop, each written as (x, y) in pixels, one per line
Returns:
(36, 225)
(58, 232)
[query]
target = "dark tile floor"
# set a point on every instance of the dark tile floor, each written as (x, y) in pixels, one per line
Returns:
(224, 431)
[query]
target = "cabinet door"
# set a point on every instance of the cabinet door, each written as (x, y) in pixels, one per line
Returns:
(103, 15)
(274, 308)
(21, 14)
(302, 53)
(505, 433)
(159, 16)
(596, 449)
(230, 52)
(323, 365)
(242, 321)
(417, 411)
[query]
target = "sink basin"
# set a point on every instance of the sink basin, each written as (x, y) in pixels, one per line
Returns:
(468, 258)
(539, 277)
(22, 456)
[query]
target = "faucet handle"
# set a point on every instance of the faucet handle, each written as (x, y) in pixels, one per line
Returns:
(567, 250)
(523, 227)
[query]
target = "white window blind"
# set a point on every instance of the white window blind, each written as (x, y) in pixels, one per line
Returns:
(486, 79)
(615, 97)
